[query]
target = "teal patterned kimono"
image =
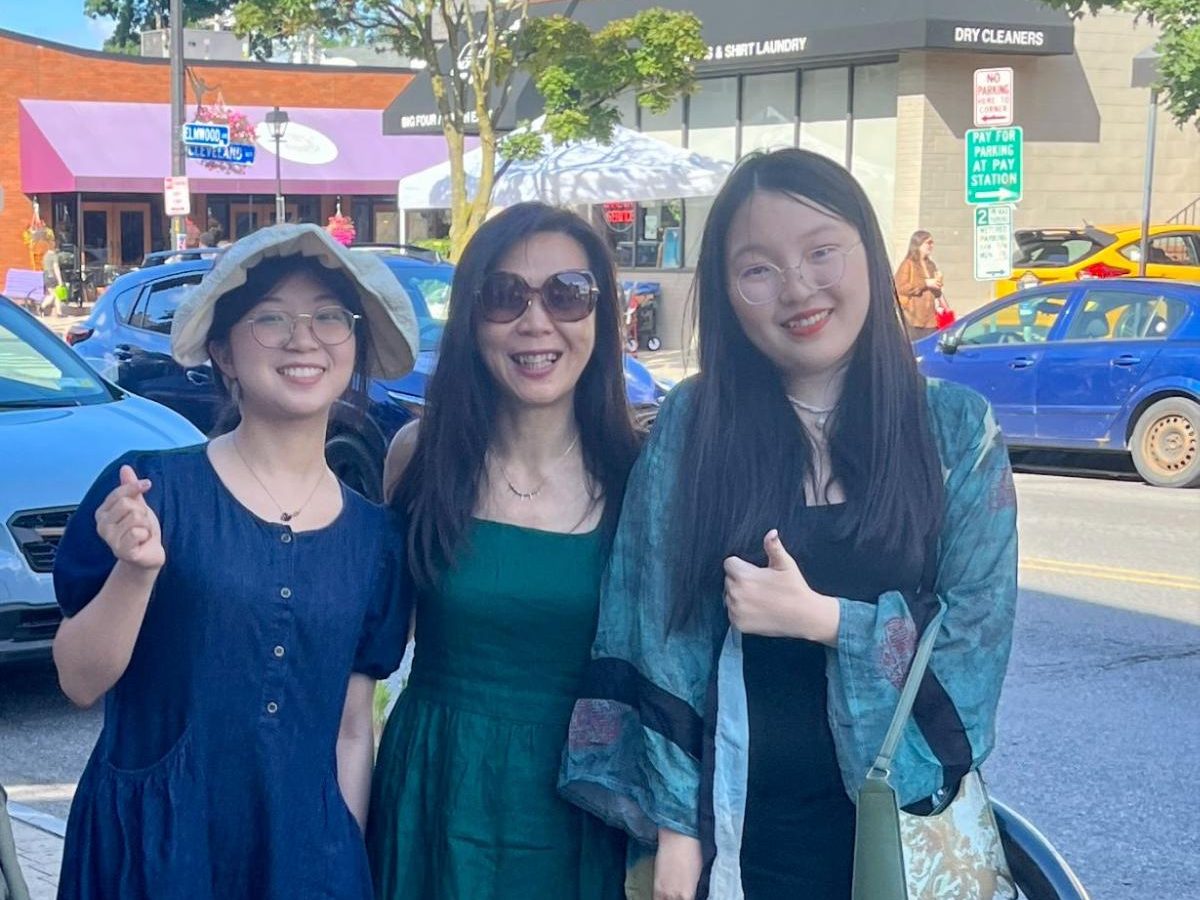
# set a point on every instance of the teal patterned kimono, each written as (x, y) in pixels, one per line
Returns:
(660, 737)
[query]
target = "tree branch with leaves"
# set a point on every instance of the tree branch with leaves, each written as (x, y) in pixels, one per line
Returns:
(1178, 47)
(473, 51)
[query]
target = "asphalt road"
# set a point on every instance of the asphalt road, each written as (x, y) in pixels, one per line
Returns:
(1099, 721)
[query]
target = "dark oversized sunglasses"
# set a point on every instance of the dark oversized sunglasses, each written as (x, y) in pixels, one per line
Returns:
(567, 296)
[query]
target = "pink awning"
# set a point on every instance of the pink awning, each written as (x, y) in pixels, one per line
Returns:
(124, 148)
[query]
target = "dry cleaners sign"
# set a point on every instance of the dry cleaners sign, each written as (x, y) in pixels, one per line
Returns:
(754, 49)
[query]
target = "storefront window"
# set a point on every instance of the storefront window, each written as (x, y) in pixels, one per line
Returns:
(712, 119)
(824, 99)
(667, 127)
(874, 145)
(768, 111)
(643, 235)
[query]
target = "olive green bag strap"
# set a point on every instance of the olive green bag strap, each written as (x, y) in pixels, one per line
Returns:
(879, 872)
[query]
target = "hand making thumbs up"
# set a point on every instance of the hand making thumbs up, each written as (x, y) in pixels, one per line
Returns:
(129, 526)
(776, 600)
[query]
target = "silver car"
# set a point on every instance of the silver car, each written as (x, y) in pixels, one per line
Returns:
(60, 425)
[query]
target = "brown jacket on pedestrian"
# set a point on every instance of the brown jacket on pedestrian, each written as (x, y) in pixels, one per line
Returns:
(917, 299)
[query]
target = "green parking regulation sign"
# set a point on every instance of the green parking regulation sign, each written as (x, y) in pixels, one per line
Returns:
(994, 165)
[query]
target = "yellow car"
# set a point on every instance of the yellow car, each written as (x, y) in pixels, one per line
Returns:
(1101, 251)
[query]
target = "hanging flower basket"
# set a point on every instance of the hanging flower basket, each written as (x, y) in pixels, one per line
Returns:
(341, 228)
(241, 131)
(38, 236)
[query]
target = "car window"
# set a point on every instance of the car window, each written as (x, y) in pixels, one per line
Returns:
(1108, 314)
(123, 303)
(1166, 250)
(38, 370)
(157, 306)
(1024, 321)
(1049, 251)
(436, 292)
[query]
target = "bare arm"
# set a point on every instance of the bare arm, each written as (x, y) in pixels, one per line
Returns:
(399, 455)
(92, 648)
(356, 746)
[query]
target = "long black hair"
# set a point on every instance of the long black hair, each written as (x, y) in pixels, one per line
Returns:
(749, 456)
(261, 279)
(440, 486)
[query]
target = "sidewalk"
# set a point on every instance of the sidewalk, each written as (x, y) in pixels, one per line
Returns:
(39, 852)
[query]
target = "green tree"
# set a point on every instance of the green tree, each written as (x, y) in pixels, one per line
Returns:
(1178, 47)
(132, 17)
(474, 49)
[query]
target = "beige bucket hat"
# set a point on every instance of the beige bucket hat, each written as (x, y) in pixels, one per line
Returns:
(389, 312)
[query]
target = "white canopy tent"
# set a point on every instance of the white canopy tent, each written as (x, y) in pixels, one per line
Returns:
(632, 167)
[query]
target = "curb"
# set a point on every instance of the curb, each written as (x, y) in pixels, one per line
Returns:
(52, 825)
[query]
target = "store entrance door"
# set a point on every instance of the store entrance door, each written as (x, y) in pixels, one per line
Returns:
(248, 217)
(116, 234)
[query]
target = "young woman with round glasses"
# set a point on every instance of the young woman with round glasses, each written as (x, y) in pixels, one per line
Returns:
(803, 507)
(511, 488)
(234, 603)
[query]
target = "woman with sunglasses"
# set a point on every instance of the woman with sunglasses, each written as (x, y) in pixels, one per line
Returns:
(804, 506)
(511, 488)
(234, 603)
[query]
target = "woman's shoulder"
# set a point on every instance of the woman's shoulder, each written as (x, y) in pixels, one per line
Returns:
(960, 415)
(151, 463)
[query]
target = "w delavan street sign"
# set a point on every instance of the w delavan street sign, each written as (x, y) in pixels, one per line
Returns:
(994, 165)
(240, 154)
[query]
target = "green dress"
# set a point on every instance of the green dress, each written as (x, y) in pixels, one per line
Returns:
(464, 804)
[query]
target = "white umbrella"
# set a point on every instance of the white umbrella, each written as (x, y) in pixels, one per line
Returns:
(633, 166)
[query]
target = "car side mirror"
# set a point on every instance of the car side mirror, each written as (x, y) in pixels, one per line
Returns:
(949, 341)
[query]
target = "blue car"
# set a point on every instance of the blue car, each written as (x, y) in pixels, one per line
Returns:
(60, 425)
(127, 339)
(1097, 365)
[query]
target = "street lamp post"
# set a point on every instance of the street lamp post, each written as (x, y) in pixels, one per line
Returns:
(277, 122)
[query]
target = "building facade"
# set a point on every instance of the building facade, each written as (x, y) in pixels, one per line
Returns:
(886, 88)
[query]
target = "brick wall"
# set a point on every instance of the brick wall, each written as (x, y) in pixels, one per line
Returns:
(33, 70)
(1085, 135)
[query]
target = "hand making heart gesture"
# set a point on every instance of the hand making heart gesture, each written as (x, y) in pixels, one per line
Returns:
(129, 526)
(776, 600)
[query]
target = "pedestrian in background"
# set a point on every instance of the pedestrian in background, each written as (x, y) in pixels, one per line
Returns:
(511, 483)
(764, 596)
(919, 285)
(54, 284)
(234, 603)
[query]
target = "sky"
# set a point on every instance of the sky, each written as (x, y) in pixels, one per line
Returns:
(55, 20)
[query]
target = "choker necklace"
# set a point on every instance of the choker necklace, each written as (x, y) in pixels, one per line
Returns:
(284, 515)
(821, 412)
(529, 495)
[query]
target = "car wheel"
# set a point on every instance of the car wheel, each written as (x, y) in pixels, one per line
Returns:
(355, 465)
(1166, 443)
(653, 344)
(631, 344)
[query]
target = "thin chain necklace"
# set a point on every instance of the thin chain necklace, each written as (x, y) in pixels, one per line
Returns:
(821, 412)
(284, 515)
(529, 495)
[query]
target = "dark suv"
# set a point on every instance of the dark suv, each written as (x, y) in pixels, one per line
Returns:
(127, 339)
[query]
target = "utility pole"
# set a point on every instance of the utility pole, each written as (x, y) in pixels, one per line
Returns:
(178, 160)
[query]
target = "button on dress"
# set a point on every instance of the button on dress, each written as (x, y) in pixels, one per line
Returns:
(215, 775)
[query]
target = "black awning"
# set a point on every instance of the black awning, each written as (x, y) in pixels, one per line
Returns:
(758, 34)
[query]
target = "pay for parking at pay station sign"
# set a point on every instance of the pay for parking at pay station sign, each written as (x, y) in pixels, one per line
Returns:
(993, 242)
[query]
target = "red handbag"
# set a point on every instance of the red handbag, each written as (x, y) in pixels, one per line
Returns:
(945, 316)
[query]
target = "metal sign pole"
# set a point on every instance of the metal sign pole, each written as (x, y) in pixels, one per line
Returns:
(1148, 183)
(178, 161)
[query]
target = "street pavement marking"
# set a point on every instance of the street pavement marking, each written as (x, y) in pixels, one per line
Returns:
(1112, 573)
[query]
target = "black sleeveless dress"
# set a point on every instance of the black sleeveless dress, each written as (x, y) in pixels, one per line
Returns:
(799, 829)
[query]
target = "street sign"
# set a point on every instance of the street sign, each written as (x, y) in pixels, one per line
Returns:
(206, 134)
(993, 97)
(177, 198)
(993, 242)
(994, 165)
(238, 154)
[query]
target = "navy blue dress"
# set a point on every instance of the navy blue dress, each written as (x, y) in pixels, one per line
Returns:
(215, 776)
